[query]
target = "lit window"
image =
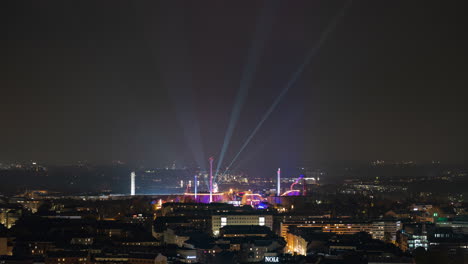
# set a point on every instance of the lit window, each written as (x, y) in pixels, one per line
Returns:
(261, 221)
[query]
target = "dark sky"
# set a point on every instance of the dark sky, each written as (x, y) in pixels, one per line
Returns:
(120, 80)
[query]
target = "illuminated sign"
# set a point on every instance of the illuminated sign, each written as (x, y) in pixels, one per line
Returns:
(191, 257)
(272, 259)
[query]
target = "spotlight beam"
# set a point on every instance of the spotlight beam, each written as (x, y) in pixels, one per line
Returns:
(180, 89)
(311, 53)
(262, 30)
(259, 147)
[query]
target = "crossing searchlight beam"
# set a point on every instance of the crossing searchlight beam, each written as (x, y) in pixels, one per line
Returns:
(310, 54)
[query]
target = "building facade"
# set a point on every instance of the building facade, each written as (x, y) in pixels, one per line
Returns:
(220, 220)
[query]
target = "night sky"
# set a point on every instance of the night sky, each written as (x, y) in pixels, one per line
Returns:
(132, 81)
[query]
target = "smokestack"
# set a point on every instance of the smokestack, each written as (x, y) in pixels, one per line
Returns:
(132, 183)
(278, 188)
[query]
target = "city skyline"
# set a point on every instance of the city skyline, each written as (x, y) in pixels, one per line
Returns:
(235, 132)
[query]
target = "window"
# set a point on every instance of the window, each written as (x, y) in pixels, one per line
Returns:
(261, 221)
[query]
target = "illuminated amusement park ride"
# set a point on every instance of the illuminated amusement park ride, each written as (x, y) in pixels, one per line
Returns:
(293, 192)
(244, 198)
(212, 195)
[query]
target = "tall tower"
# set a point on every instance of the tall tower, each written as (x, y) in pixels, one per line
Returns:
(195, 183)
(132, 183)
(278, 188)
(211, 179)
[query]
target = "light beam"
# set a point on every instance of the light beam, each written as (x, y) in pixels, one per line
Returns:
(262, 30)
(312, 52)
